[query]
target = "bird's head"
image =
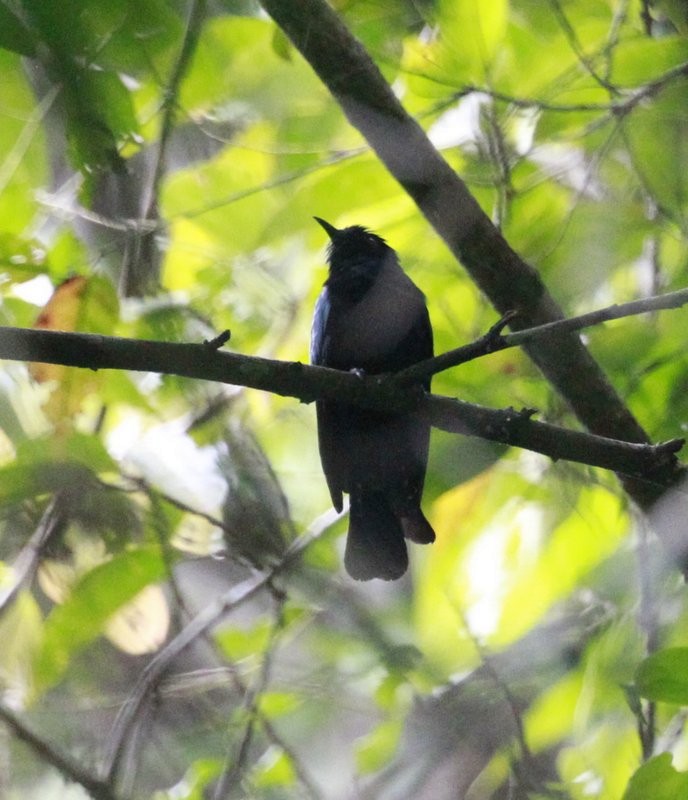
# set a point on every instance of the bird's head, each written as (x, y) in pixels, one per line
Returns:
(354, 248)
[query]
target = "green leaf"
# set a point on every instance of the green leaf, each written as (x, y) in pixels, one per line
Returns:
(664, 676)
(99, 310)
(643, 59)
(120, 27)
(20, 633)
(471, 35)
(19, 481)
(78, 449)
(657, 779)
(239, 643)
(657, 134)
(376, 749)
(94, 599)
(274, 704)
(274, 769)
(100, 116)
(281, 44)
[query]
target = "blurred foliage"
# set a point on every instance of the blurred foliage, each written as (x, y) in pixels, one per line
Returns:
(539, 648)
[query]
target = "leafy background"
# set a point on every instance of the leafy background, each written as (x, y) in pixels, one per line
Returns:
(161, 162)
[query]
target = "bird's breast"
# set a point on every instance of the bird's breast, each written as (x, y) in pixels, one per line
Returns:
(366, 331)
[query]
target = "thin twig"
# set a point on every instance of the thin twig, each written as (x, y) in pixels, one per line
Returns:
(492, 341)
(285, 178)
(499, 156)
(618, 20)
(646, 17)
(535, 781)
(575, 45)
(149, 196)
(235, 764)
(191, 33)
(26, 563)
(204, 621)
(142, 485)
(648, 621)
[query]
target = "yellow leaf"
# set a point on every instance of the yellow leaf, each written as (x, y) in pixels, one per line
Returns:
(140, 626)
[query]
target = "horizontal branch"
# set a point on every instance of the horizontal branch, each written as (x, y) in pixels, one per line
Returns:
(655, 463)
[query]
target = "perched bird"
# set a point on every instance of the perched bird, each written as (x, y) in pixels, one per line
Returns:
(371, 317)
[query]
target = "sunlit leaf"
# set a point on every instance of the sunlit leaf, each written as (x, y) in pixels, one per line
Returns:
(577, 545)
(274, 769)
(664, 676)
(641, 59)
(602, 763)
(471, 34)
(239, 643)
(141, 625)
(657, 779)
(274, 704)
(88, 609)
(77, 304)
(376, 749)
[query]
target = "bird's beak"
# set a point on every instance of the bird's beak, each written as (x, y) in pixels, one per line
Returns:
(330, 229)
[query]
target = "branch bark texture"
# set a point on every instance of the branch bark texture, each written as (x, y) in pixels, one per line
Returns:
(656, 465)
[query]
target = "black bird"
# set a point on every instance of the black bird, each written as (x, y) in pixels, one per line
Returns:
(370, 316)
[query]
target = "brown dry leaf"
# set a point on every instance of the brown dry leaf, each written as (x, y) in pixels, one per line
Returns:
(60, 313)
(65, 311)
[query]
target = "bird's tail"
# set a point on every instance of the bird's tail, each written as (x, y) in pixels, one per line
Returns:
(375, 546)
(416, 527)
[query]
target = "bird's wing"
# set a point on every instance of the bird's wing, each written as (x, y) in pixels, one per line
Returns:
(423, 345)
(318, 337)
(327, 444)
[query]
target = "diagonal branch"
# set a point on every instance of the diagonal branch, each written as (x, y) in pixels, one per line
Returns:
(494, 340)
(205, 620)
(509, 282)
(25, 565)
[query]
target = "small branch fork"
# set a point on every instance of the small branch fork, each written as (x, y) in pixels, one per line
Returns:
(494, 341)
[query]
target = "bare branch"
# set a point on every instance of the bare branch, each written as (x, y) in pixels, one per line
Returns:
(574, 44)
(236, 762)
(26, 563)
(654, 464)
(402, 146)
(494, 340)
(204, 621)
